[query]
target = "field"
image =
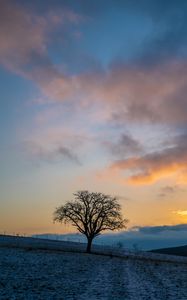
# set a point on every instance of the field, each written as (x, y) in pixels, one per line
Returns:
(31, 273)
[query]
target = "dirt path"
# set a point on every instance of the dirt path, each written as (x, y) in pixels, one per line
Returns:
(127, 279)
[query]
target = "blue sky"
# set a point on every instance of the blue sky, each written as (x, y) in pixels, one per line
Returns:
(93, 96)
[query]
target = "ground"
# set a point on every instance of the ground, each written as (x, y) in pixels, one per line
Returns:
(42, 274)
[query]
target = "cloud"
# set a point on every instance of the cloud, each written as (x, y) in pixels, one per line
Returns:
(154, 166)
(126, 145)
(180, 212)
(168, 190)
(22, 35)
(25, 36)
(160, 229)
(67, 153)
(54, 145)
(128, 92)
(53, 154)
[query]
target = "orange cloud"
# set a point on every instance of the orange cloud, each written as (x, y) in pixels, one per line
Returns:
(155, 166)
(153, 176)
(180, 212)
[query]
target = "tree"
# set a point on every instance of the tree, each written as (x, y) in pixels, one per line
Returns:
(91, 214)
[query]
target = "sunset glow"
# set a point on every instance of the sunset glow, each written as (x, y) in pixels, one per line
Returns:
(93, 97)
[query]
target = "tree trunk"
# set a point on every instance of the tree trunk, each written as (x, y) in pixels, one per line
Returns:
(89, 244)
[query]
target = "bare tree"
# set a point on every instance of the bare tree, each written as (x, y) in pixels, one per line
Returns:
(91, 214)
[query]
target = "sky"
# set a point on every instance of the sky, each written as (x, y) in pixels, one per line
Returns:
(93, 97)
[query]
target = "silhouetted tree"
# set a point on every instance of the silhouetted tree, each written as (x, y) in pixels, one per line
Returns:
(91, 213)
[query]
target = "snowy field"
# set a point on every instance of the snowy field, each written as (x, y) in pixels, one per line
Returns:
(28, 273)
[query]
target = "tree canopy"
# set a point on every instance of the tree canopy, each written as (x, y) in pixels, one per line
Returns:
(91, 213)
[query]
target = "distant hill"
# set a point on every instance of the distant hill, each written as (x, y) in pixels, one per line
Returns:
(180, 251)
(140, 239)
(31, 244)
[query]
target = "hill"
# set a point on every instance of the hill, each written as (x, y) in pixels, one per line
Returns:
(179, 251)
(43, 269)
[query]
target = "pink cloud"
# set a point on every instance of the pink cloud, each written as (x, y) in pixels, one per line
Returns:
(128, 94)
(25, 35)
(20, 34)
